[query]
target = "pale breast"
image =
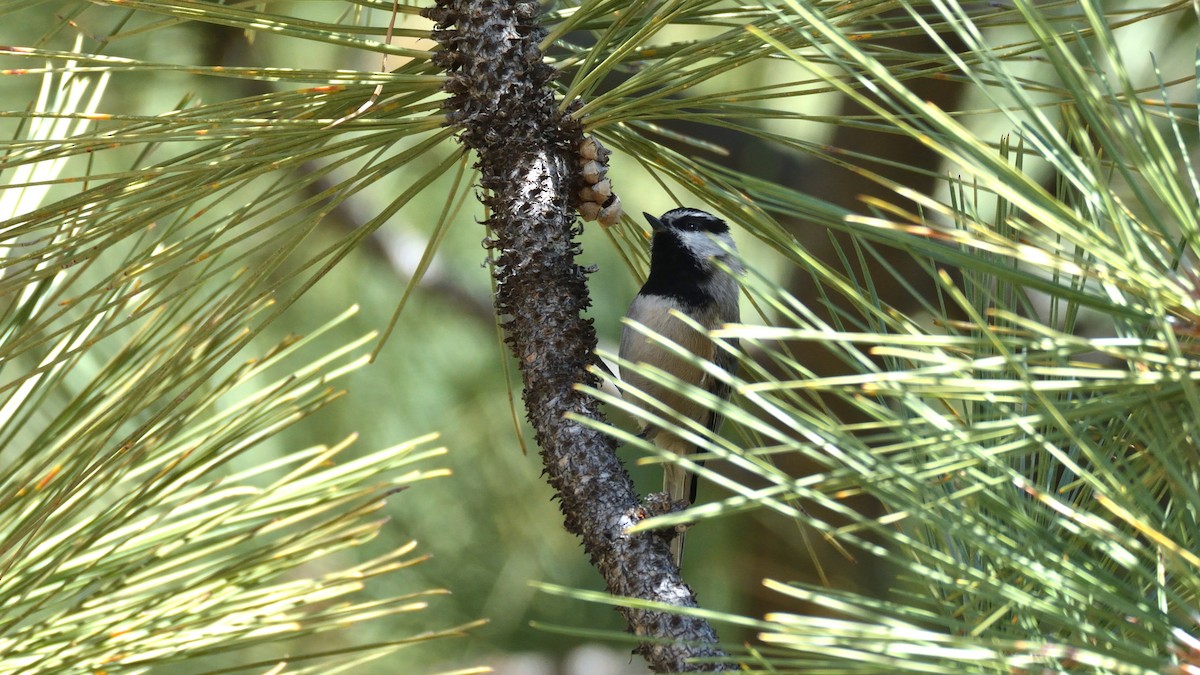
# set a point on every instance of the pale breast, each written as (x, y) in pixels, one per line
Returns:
(654, 313)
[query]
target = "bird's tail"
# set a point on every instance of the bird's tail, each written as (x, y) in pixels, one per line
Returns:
(678, 483)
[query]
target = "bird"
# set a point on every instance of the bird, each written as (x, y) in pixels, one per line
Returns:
(693, 261)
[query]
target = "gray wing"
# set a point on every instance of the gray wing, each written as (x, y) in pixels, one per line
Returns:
(727, 294)
(728, 363)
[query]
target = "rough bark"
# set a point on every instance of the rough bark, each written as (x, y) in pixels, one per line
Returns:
(501, 101)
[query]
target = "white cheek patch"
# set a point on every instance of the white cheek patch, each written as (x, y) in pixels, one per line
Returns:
(705, 246)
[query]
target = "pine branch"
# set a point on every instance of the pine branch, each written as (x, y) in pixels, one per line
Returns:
(507, 113)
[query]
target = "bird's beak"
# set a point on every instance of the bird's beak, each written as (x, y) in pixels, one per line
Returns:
(655, 223)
